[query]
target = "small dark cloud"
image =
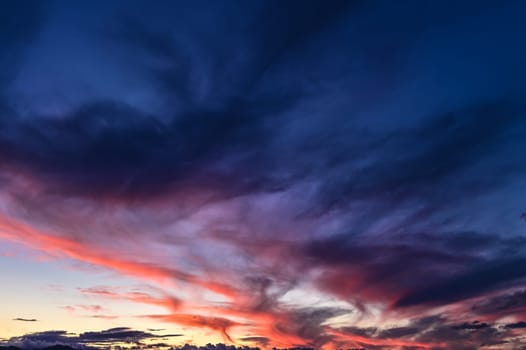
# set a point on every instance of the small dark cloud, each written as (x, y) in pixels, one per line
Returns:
(105, 317)
(156, 345)
(25, 319)
(263, 341)
(83, 340)
(122, 334)
(520, 324)
(472, 326)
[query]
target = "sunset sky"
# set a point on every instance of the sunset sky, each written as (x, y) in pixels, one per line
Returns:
(329, 174)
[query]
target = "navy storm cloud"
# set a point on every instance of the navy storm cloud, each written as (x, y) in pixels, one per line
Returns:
(252, 126)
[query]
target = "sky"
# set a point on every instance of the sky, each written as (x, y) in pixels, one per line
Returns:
(325, 174)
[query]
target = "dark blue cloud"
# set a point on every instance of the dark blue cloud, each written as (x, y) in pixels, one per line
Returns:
(482, 278)
(20, 22)
(222, 127)
(463, 264)
(439, 330)
(520, 324)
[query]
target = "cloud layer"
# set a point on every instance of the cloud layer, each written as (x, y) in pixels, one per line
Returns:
(281, 173)
(87, 340)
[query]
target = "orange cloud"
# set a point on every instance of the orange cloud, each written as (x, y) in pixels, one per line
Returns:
(170, 302)
(82, 251)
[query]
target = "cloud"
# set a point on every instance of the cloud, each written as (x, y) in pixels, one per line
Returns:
(501, 304)
(220, 324)
(521, 324)
(170, 302)
(483, 278)
(14, 38)
(110, 148)
(91, 308)
(436, 332)
(25, 319)
(85, 308)
(296, 166)
(472, 326)
(263, 341)
(123, 334)
(84, 340)
(455, 260)
(105, 317)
